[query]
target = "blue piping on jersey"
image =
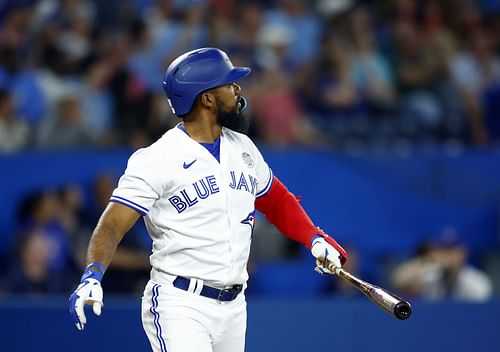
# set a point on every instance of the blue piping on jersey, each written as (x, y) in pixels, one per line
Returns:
(268, 185)
(129, 203)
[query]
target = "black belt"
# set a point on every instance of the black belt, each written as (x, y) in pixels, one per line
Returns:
(224, 295)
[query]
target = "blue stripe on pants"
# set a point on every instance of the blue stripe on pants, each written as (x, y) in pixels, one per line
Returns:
(156, 315)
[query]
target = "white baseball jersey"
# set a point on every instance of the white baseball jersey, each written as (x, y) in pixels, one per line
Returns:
(198, 211)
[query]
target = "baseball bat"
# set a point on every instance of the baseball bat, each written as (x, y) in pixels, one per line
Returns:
(386, 300)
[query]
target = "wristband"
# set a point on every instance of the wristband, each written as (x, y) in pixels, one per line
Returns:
(93, 274)
(314, 238)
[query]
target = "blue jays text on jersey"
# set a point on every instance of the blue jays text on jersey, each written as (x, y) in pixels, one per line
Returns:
(205, 187)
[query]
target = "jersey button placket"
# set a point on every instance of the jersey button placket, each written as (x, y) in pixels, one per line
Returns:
(224, 174)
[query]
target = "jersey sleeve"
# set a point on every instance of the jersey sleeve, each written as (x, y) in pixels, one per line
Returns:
(264, 173)
(139, 187)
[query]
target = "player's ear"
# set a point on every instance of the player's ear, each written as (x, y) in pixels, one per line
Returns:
(207, 99)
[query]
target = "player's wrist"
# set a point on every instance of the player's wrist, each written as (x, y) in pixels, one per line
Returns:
(322, 237)
(93, 271)
(314, 238)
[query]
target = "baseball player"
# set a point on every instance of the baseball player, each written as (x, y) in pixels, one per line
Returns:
(197, 189)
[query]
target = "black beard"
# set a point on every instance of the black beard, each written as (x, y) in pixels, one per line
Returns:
(233, 120)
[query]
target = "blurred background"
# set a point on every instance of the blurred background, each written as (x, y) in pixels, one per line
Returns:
(383, 115)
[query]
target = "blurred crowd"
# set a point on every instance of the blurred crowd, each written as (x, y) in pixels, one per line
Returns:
(78, 74)
(54, 225)
(341, 73)
(53, 228)
(440, 270)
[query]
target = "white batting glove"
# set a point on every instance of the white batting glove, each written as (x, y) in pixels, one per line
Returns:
(328, 253)
(88, 292)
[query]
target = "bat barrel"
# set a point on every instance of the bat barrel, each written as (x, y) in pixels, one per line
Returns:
(386, 300)
(402, 310)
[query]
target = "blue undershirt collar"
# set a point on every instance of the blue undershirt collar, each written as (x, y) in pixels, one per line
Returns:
(213, 148)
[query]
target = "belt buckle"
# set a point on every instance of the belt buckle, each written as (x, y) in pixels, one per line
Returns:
(233, 290)
(221, 292)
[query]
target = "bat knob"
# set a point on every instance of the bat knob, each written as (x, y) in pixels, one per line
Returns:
(402, 310)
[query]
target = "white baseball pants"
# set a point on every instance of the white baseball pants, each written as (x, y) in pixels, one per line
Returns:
(180, 321)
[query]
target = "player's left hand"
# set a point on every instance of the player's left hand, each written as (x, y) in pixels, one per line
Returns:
(88, 292)
(327, 253)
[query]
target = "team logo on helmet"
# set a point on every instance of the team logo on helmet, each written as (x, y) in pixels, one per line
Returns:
(247, 159)
(171, 106)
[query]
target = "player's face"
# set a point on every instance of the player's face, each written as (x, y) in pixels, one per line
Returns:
(228, 108)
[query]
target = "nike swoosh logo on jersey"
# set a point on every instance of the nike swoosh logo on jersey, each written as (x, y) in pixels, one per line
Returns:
(186, 166)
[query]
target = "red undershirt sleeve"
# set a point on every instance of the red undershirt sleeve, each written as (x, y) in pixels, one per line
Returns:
(283, 210)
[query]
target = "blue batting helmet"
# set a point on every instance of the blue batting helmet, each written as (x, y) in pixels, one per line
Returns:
(196, 71)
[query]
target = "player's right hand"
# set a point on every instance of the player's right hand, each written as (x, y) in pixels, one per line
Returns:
(88, 292)
(328, 253)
